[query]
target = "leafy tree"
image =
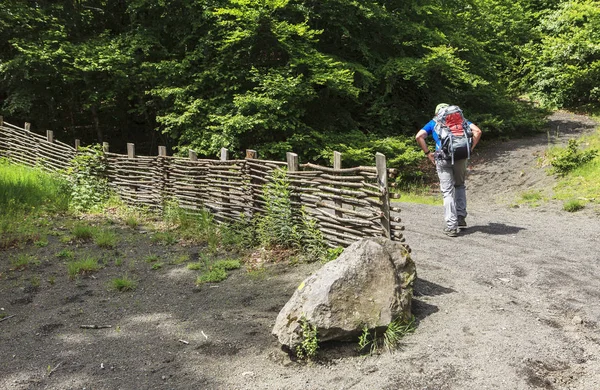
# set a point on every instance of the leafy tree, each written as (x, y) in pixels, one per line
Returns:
(564, 65)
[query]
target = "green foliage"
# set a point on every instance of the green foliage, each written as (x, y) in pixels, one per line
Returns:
(563, 67)
(566, 160)
(368, 341)
(309, 344)
(227, 265)
(276, 226)
(24, 189)
(396, 330)
(87, 175)
(334, 253)
(81, 267)
(214, 275)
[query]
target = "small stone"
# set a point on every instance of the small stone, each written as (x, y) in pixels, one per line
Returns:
(577, 320)
(247, 373)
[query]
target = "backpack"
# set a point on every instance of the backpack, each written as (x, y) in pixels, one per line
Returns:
(454, 134)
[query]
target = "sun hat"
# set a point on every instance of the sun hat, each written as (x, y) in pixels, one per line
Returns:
(440, 106)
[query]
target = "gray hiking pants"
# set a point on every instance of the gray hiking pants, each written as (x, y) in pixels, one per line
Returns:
(452, 185)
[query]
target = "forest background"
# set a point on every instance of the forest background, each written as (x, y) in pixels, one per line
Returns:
(308, 76)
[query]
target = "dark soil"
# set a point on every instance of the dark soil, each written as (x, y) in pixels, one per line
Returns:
(512, 303)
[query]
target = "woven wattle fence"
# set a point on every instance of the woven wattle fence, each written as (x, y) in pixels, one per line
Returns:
(348, 203)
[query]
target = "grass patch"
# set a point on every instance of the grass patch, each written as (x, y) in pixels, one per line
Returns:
(227, 265)
(65, 254)
(29, 189)
(42, 242)
(582, 182)
(180, 259)
(165, 238)
(573, 205)
(105, 239)
(123, 284)
(157, 266)
(533, 198)
(23, 261)
(82, 232)
(196, 266)
(152, 258)
(81, 267)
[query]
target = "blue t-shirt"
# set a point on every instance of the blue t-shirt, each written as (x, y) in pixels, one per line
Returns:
(429, 127)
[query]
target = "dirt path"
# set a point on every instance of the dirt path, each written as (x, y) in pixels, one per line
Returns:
(513, 303)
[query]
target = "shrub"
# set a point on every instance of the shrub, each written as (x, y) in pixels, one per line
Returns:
(570, 158)
(87, 174)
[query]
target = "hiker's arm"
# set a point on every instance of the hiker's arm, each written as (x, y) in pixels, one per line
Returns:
(476, 134)
(420, 137)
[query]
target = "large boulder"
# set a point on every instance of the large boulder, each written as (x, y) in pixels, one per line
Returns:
(369, 284)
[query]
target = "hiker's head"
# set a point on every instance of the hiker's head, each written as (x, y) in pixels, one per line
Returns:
(440, 106)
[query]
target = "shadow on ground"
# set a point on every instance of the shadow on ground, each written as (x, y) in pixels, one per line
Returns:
(492, 229)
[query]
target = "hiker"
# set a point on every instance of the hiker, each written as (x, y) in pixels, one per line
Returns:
(455, 137)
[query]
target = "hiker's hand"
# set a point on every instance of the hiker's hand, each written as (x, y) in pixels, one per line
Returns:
(431, 158)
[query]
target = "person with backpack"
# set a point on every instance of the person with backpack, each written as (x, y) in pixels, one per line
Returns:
(455, 137)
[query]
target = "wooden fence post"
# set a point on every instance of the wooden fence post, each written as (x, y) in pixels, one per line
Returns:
(382, 182)
(1, 121)
(130, 150)
(77, 144)
(50, 136)
(193, 155)
(224, 154)
(163, 175)
(27, 126)
(105, 147)
(337, 164)
(292, 162)
(224, 190)
(252, 154)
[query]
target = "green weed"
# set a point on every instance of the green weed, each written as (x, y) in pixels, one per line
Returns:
(307, 349)
(157, 266)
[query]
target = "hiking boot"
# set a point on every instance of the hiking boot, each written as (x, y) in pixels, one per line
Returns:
(461, 222)
(451, 232)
